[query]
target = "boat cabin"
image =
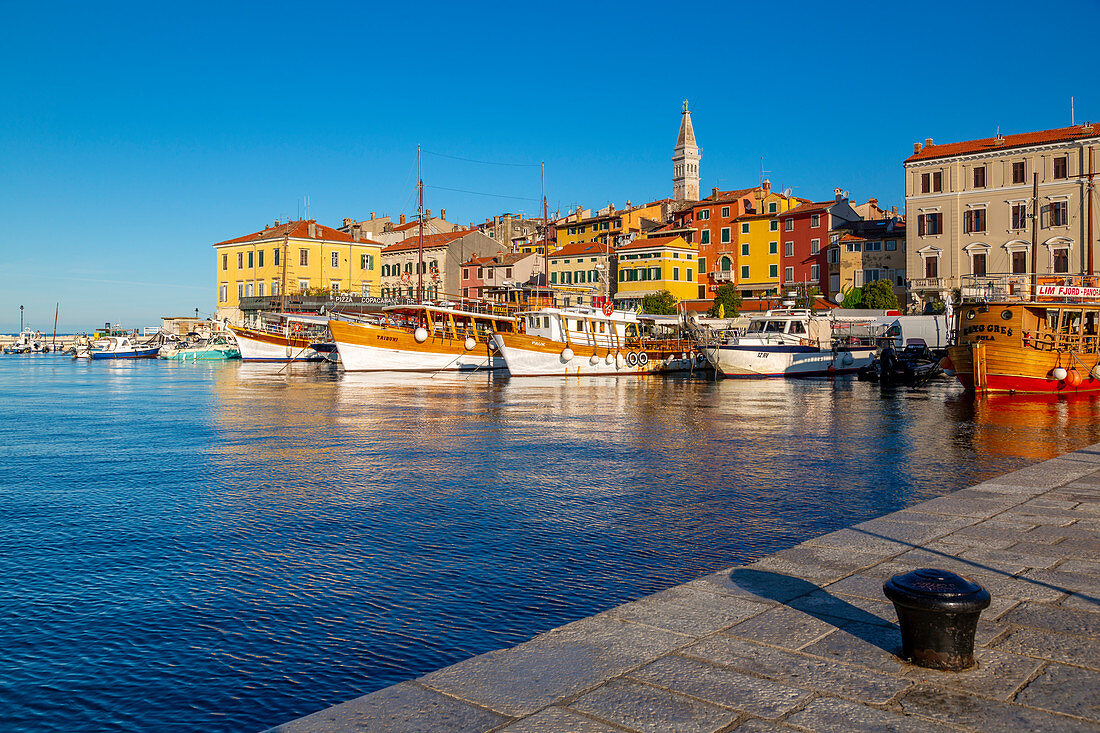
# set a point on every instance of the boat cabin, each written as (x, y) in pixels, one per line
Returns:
(447, 323)
(582, 326)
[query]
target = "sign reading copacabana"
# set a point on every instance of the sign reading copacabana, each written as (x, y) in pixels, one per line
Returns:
(1068, 291)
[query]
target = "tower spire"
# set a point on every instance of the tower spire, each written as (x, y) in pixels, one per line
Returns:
(685, 160)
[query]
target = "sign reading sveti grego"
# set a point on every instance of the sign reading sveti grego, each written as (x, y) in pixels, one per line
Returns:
(1069, 291)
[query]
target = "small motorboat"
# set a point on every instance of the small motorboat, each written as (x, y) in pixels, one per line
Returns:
(28, 342)
(912, 366)
(218, 348)
(121, 347)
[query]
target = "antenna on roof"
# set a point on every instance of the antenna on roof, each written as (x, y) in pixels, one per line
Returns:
(762, 171)
(1072, 122)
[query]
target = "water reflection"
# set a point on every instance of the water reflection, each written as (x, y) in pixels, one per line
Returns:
(290, 537)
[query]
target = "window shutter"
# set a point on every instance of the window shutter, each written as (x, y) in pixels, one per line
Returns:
(920, 225)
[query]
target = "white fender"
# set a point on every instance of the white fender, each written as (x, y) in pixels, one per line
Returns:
(470, 344)
(567, 354)
(1059, 373)
(593, 360)
(420, 334)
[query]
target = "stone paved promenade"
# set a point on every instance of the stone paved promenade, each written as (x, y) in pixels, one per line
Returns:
(805, 640)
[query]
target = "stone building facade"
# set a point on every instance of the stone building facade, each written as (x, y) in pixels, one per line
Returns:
(970, 208)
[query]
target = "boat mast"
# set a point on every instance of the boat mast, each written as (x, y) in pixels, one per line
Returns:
(545, 235)
(1088, 197)
(1035, 212)
(420, 218)
(282, 287)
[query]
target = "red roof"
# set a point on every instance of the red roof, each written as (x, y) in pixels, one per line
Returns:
(582, 248)
(655, 242)
(1061, 134)
(430, 240)
(724, 196)
(298, 230)
(808, 207)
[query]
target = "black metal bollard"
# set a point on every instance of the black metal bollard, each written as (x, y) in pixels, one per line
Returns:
(938, 613)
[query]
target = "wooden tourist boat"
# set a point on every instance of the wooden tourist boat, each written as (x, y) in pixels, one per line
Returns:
(580, 341)
(791, 343)
(282, 337)
(1024, 333)
(421, 338)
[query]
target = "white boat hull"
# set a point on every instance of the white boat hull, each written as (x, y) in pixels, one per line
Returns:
(533, 363)
(768, 361)
(363, 358)
(272, 348)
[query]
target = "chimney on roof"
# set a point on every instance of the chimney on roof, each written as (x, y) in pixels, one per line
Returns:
(427, 213)
(276, 223)
(347, 221)
(628, 203)
(927, 142)
(894, 210)
(356, 232)
(313, 230)
(372, 216)
(402, 219)
(839, 193)
(916, 148)
(767, 186)
(611, 209)
(443, 214)
(714, 192)
(873, 202)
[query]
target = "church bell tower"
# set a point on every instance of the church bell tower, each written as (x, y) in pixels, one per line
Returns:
(685, 161)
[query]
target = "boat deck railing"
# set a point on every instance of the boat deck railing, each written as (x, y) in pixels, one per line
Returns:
(1030, 287)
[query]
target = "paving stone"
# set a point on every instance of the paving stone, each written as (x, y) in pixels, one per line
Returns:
(1051, 474)
(1013, 558)
(962, 507)
(1077, 650)
(925, 558)
(397, 709)
(843, 609)
(722, 686)
(813, 673)
(993, 536)
(1065, 582)
(862, 586)
(960, 708)
(762, 726)
(997, 674)
(552, 666)
(914, 515)
(1081, 603)
(759, 585)
(867, 645)
(646, 708)
(1054, 618)
(906, 532)
(1083, 567)
(784, 627)
(1050, 535)
(852, 539)
(819, 564)
(828, 714)
(1065, 690)
(1085, 548)
(1053, 500)
(1005, 485)
(1039, 517)
(691, 611)
(556, 720)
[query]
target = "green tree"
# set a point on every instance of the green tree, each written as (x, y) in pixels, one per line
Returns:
(853, 297)
(730, 300)
(659, 304)
(879, 294)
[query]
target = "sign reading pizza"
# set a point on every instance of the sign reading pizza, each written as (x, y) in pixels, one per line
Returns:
(1068, 291)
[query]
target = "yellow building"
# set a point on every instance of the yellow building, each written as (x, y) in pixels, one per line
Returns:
(308, 257)
(647, 266)
(759, 257)
(579, 273)
(609, 223)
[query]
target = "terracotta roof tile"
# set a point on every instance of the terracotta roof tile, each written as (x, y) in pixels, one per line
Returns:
(1061, 134)
(430, 240)
(581, 248)
(655, 242)
(298, 230)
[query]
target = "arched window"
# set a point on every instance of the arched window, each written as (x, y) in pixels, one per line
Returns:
(727, 264)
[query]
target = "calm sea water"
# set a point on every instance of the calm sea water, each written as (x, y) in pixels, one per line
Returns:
(225, 547)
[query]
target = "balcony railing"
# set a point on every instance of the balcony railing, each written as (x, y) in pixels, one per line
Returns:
(722, 276)
(1025, 286)
(927, 283)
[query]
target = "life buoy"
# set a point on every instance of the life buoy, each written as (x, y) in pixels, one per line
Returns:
(631, 358)
(608, 309)
(700, 358)
(406, 278)
(643, 358)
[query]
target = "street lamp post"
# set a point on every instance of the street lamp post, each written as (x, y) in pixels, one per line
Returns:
(20, 319)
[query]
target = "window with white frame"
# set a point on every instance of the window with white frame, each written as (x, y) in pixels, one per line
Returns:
(788, 225)
(704, 236)
(815, 221)
(744, 249)
(773, 226)
(773, 270)
(223, 293)
(704, 213)
(744, 272)
(745, 228)
(725, 212)
(815, 246)
(725, 235)
(815, 272)
(788, 274)
(788, 249)
(891, 245)
(773, 248)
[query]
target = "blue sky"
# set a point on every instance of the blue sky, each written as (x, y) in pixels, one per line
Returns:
(133, 136)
